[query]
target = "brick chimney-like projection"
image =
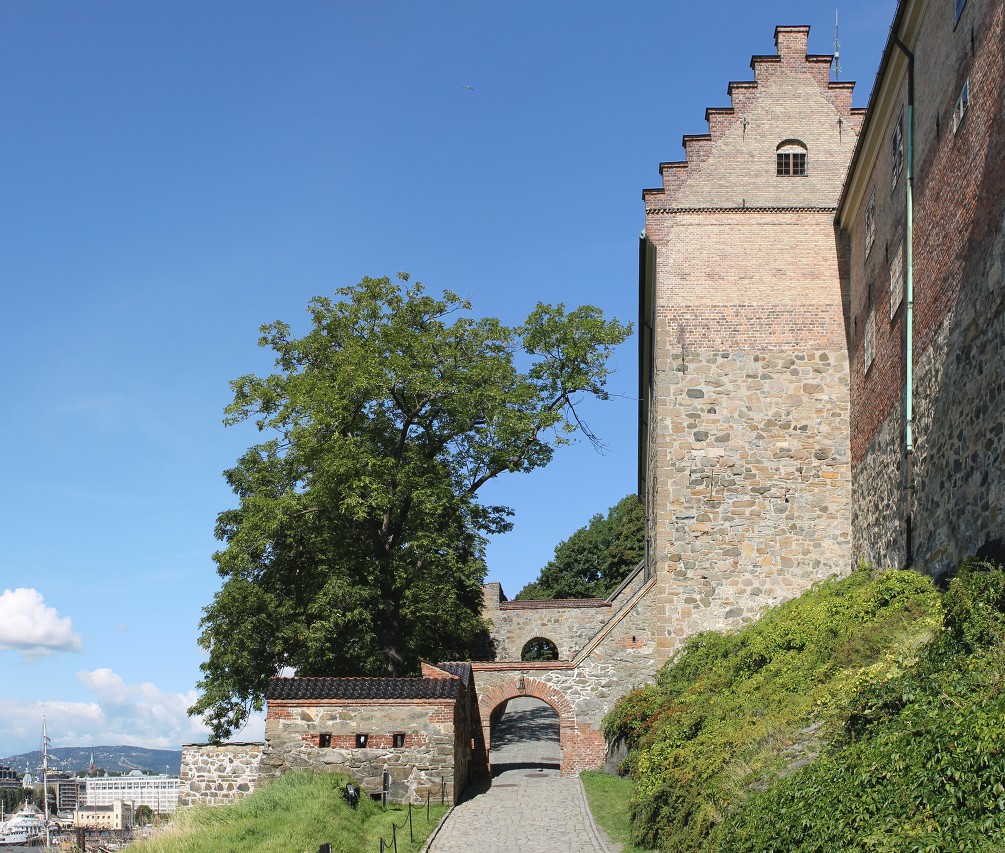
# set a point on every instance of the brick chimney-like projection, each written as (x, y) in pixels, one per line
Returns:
(744, 375)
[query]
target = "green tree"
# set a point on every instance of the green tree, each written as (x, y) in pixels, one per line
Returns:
(596, 558)
(357, 546)
(144, 815)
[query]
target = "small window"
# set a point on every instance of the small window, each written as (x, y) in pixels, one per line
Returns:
(897, 153)
(790, 159)
(399, 740)
(539, 649)
(962, 104)
(870, 340)
(959, 10)
(361, 740)
(897, 280)
(870, 223)
(324, 741)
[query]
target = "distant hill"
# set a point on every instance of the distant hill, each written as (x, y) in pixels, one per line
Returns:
(120, 759)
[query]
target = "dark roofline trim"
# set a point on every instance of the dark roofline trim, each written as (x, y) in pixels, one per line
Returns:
(554, 603)
(228, 743)
(830, 210)
(898, 19)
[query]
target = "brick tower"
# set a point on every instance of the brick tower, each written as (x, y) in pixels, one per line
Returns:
(744, 371)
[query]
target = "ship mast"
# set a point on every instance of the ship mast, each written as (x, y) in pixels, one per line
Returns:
(45, 779)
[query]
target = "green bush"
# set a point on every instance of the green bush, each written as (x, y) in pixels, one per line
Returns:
(920, 761)
(865, 715)
(733, 712)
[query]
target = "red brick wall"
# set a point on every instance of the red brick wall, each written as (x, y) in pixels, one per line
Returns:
(958, 192)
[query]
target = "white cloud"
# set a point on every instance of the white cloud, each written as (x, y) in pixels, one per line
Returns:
(29, 626)
(121, 714)
(141, 714)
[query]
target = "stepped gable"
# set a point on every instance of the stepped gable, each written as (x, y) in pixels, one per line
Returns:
(287, 689)
(734, 131)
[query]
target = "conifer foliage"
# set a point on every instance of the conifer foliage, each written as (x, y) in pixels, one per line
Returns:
(596, 558)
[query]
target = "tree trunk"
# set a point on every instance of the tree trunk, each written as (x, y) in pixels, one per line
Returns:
(390, 635)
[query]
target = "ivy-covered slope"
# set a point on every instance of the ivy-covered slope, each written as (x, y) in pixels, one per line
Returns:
(868, 714)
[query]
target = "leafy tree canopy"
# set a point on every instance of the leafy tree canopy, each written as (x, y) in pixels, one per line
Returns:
(357, 546)
(596, 558)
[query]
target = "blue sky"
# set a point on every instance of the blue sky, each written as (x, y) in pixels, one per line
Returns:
(175, 174)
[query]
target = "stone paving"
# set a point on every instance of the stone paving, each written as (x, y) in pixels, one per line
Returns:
(527, 806)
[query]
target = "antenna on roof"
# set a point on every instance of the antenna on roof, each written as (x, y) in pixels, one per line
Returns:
(837, 49)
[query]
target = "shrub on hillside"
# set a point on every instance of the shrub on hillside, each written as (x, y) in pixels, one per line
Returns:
(732, 712)
(865, 715)
(919, 763)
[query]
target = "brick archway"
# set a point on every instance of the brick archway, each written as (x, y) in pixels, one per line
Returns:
(583, 747)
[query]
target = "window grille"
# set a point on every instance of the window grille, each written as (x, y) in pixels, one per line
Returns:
(897, 153)
(962, 104)
(870, 223)
(790, 164)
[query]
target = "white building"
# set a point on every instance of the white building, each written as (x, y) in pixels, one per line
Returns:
(158, 792)
(117, 815)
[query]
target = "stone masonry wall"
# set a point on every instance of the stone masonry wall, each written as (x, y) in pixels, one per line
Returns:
(959, 297)
(754, 468)
(293, 731)
(217, 775)
(568, 624)
(959, 468)
(622, 656)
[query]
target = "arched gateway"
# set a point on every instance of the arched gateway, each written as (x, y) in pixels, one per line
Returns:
(607, 646)
(583, 747)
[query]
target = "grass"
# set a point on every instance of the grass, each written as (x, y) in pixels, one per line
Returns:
(608, 797)
(295, 814)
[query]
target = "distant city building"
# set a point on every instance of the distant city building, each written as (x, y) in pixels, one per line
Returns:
(117, 815)
(69, 790)
(9, 778)
(160, 793)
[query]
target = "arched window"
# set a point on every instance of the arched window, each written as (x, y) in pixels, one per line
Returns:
(790, 159)
(540, 648)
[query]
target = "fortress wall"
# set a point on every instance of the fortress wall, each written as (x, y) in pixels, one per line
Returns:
(749, 472)
(568, 624)
(958, 504)
(622, 656)
(214, 775)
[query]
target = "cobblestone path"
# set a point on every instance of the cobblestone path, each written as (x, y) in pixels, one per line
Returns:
(528, 807)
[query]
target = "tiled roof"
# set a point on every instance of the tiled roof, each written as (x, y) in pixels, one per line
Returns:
(462, 670)
(361, 688)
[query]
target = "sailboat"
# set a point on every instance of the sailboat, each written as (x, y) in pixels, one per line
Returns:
(28, 825)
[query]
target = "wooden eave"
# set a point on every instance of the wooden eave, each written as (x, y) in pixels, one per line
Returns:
(884, 101)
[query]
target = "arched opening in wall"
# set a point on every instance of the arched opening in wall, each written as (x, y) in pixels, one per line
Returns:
(538, 649)
(524, 735)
